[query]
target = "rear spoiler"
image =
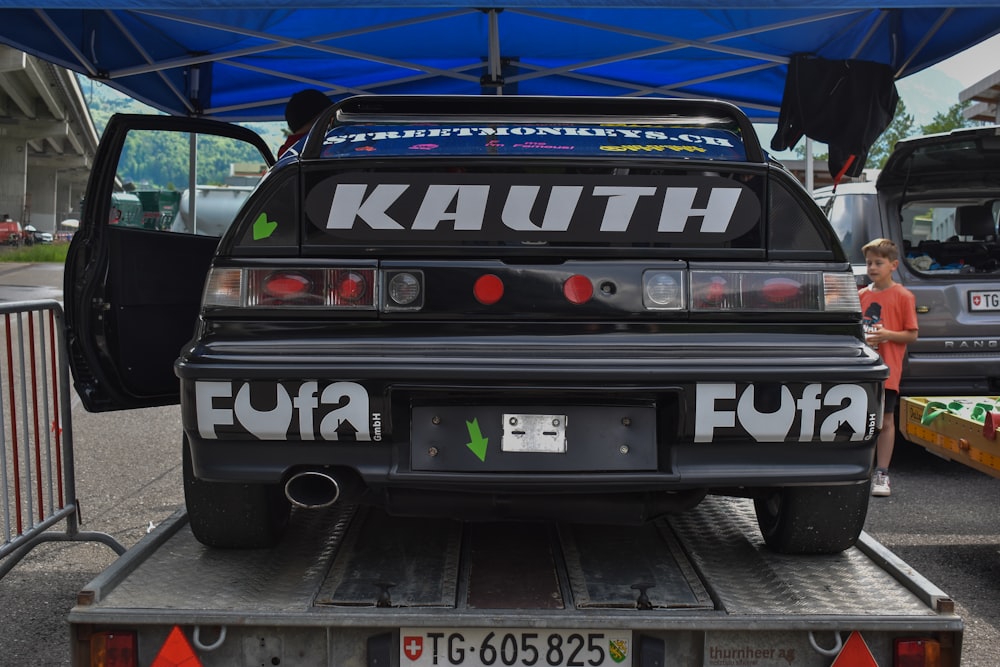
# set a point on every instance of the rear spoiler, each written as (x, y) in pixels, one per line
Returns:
(473, 108)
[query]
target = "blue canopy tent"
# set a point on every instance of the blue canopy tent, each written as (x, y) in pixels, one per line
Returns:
(241, 59)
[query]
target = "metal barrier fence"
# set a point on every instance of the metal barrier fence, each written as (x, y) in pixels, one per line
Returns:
(37, 483)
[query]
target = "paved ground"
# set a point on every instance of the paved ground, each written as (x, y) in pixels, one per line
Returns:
(942, 519)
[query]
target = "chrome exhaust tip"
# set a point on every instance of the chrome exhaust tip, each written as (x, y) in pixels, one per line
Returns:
(312, 489)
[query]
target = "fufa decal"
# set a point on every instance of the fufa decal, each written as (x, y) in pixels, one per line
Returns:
(338, 411)
(532, 207)
(780, 413)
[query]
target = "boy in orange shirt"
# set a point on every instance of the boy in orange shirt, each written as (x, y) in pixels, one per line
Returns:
(890, 321)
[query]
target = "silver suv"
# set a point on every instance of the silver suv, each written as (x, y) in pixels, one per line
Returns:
(937, 198)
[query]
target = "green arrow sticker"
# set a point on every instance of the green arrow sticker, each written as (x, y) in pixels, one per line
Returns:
(262, 227)
(477, 443)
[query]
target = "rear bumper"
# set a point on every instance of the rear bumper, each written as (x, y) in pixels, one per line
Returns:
(641, 415)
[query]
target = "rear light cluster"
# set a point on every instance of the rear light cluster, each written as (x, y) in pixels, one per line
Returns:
(374, 289)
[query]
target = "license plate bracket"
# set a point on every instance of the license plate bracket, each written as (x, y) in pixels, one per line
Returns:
(526, 432)
(481, 438)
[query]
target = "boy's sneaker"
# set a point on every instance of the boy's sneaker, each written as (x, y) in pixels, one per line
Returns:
(880, 483)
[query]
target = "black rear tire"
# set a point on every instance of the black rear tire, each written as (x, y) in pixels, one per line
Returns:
(812, 519)
(234, 516)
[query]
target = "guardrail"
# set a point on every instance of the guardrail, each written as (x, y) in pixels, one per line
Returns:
(37, 482)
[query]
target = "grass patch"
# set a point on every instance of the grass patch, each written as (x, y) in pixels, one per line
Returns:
(50, 252)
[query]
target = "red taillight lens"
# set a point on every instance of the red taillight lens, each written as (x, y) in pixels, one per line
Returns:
(113, 649)
(781, 290)
(345, 287)
(917, 653)
(578, 289)
(286, 288)
(350, 287)
(488, 289)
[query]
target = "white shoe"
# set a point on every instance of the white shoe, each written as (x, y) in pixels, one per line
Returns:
(880, 484)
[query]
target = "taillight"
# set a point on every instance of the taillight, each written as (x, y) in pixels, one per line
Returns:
(786, 291)
(339, 288)
(113, 649)
(917, 653)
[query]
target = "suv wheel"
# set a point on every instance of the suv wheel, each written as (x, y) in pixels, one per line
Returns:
(234, 516)
(812, 519)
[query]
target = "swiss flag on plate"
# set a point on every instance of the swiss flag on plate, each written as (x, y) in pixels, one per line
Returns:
(976, 300)
(413, 647)
(855, 653)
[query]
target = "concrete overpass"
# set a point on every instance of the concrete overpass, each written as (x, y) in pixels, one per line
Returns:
(47, 141)
(985, 95)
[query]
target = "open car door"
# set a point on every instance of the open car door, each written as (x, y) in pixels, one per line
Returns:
(161, 192)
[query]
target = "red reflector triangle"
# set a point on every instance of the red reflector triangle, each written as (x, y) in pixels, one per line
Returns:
(855, 653)
(176, 651)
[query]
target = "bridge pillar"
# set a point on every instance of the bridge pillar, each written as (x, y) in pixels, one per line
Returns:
(13, 175)
(42, 183)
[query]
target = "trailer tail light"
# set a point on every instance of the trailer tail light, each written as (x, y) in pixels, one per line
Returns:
(113, 649)
(917, 653)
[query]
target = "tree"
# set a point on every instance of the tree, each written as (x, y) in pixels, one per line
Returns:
(952, 119)
(900, 128)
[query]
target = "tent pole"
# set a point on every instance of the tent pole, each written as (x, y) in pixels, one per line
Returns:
(809, 165)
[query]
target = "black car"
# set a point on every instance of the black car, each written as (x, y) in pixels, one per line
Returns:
(491, 307)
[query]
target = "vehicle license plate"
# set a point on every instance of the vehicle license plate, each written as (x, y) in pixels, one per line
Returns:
(984, 300)
(534, 433)
(490, 647)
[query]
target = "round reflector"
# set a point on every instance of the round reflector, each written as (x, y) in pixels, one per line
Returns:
(404, 288)
(351, 286)
(488, 289)
(578, 289)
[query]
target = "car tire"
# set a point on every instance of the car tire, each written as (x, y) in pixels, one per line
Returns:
(812, 519)
(234, 516)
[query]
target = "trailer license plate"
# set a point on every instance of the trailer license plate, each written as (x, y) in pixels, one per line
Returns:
(490, 647)
(984, 300)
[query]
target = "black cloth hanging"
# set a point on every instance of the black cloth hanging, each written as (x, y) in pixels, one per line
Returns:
(845, 104)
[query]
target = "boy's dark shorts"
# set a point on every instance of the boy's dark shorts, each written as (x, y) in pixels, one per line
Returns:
(891, 401)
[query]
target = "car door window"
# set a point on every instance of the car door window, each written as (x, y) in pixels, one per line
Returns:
(159, 170)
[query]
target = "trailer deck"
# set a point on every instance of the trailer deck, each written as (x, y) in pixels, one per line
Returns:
(350, 584)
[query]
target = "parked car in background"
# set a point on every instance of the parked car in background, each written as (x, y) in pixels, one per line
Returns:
(938, 199)
(33, 236)
(10, 231)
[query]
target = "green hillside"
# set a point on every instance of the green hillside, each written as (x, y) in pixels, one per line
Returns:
(167, 163)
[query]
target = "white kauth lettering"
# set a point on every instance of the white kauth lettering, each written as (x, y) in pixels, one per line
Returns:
(530, 208)
(838, 413)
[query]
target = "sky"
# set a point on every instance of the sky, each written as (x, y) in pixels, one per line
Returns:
(937, 88)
